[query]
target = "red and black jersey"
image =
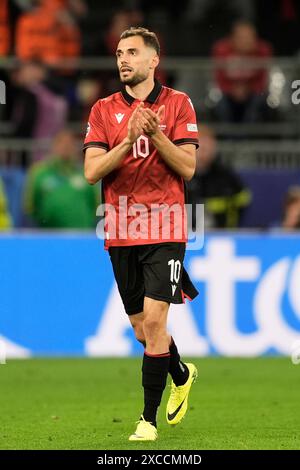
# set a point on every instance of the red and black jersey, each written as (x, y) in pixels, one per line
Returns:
(143, 179)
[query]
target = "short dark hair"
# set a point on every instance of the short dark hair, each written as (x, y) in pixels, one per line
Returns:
(150, 38)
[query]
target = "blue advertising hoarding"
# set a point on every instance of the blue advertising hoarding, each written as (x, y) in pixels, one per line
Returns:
(58, 297)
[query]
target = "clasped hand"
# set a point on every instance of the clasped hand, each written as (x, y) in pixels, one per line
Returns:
(144, 121)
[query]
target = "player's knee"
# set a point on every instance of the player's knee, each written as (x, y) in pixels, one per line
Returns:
(153, 327)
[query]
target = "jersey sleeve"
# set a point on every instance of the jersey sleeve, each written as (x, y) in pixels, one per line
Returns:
(95, 133)
(185, 131)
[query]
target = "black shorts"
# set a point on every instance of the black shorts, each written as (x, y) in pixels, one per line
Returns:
(154, 271)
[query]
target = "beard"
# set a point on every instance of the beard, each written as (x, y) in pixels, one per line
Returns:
(139, 77)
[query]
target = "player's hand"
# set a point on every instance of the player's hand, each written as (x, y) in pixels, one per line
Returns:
(150, 120)
(135, 124)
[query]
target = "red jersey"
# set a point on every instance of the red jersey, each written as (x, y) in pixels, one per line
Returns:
(144, 196)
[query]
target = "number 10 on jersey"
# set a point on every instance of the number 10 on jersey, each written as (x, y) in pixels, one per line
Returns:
(141, 147)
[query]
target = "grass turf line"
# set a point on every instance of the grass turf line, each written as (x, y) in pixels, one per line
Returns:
(94, 403)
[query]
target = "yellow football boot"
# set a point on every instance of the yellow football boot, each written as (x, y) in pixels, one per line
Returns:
(178, 401)
(145, 431)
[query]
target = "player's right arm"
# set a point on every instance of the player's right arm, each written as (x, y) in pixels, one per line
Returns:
(100, 162)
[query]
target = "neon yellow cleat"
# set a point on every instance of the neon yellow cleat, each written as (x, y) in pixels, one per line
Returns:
(145, 431)
(178, 401)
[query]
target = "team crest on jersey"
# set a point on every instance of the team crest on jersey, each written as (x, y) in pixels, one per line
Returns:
(119, 117)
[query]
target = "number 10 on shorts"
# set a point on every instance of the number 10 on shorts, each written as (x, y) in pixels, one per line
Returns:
(175, 270)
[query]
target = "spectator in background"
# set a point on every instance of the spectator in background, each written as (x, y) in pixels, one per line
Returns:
(48, 33)
(4, 29)
(243, 87)
(89, 89)
(56, 194)
(216, 186)
(120, 21)
(36, 111)
(5, 220)
(291, 215)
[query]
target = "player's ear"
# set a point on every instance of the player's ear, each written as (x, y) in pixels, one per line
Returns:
(154, 62)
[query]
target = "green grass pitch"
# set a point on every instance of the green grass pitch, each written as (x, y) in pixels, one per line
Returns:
(94, 403)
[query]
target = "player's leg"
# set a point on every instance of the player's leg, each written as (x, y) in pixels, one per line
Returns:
(151, 326)
(177, 369)
(166, 279)
(130, 282)
(155, 365)
(160, 349)
(155, 326)
(156, 358)
(181, 381)
(161, 357)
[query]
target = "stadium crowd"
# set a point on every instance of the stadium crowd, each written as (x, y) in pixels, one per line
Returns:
(49, 96)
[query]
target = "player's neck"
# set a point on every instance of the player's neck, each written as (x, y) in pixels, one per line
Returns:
(141, 90)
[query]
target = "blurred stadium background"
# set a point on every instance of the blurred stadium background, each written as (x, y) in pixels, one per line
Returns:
(239, 62)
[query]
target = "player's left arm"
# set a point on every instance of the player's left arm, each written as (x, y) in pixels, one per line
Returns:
(180, 156)
(182, 159)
